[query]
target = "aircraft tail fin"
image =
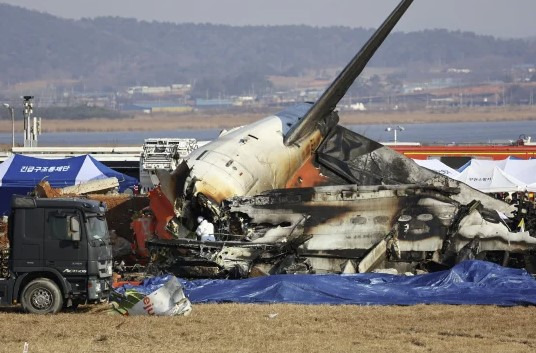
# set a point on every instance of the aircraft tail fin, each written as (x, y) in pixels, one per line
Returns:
(338, 88)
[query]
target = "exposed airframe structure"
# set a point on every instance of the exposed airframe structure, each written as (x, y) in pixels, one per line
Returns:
(297, 193)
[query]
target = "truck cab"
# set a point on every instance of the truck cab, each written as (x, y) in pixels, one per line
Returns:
(60, 254)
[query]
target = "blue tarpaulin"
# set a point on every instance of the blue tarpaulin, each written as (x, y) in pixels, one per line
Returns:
(147, 286)
(20, 174)
(470, 282)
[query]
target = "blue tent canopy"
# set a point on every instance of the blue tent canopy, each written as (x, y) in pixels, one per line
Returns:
(20, 174)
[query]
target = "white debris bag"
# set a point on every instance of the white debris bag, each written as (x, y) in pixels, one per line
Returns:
(162, 296)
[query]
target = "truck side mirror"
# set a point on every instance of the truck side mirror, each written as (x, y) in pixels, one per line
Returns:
(74, 228)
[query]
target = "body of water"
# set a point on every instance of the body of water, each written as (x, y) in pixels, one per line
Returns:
(118, 138)
(444, 133)
(480, 132)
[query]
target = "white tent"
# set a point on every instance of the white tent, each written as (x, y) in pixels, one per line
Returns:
(437, 166)
(506, 175)
(522, 169)
(490, 180)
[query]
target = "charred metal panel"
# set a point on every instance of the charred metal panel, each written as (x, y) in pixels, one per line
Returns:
(345, 222)
(347, 157)
(338, 217)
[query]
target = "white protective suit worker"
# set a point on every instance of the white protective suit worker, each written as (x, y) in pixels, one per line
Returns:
(205, 230)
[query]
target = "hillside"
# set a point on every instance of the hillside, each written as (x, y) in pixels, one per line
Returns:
(106, 53)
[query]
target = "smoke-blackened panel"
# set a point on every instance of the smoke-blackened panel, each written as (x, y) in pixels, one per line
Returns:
(348, 157)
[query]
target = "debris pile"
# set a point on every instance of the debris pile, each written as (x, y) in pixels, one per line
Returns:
(160, 296)
(297, 193)
(102, 186)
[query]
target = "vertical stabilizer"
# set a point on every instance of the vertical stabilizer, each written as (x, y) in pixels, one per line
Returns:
(338, 88)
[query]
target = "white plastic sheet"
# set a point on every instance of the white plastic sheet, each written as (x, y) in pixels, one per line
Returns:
(161, 296)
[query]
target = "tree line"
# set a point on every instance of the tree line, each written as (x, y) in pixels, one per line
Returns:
(112, 52)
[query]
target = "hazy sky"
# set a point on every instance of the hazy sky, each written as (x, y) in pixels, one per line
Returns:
(504, 18)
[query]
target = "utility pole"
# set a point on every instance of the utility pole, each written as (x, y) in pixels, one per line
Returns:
(12, 113)
(28, 111)
(395, 130)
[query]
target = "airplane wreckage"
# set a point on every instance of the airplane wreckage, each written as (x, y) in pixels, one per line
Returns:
(298, 193)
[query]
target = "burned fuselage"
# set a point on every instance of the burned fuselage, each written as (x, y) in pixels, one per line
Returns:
(372, 208)
(344, 229)
(295, 192)
(341, 225)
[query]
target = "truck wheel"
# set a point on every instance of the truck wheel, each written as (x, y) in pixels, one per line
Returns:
(41, 296)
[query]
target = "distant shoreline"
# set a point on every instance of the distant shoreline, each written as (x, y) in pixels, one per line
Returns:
(225, 120)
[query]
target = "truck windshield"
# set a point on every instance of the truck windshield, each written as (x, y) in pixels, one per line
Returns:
(97, 228)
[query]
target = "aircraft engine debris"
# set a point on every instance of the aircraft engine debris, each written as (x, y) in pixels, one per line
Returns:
(297, 193)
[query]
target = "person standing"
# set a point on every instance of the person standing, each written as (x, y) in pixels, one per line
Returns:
(205, 230)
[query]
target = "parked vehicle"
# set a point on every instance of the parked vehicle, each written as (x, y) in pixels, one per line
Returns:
(60, 254)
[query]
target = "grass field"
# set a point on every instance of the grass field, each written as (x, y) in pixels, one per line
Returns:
(295, 328)
(198, 120)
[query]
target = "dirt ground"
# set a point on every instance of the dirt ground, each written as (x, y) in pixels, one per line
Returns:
(278, 328)
(225, 120)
